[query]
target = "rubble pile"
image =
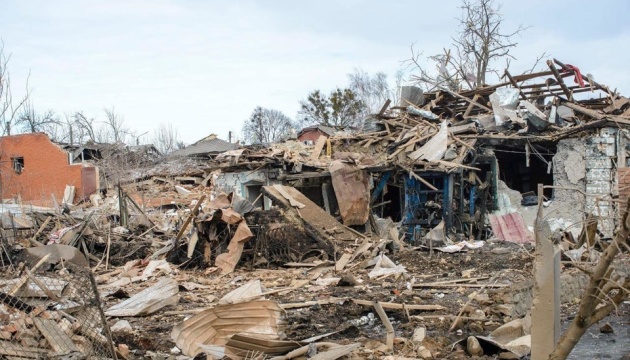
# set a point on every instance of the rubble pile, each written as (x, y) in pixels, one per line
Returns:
(401, 241)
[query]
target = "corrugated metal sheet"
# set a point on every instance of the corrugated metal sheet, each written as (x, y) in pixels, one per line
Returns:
(510, 227)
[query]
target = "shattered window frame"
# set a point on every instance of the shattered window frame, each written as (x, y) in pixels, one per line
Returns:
(18, 164)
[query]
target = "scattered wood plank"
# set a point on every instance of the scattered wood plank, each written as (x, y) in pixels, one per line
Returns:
(319, 146)
(389, 341)
(390, 305)
(343, 261)
(55, 336)
(461, 285)
(290, 198)
(8, 348)
(336, 352)
(193, 213)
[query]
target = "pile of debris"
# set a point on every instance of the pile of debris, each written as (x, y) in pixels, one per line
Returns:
(52, 315)
(396, 243)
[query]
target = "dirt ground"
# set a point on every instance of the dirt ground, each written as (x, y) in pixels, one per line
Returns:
(503, 263)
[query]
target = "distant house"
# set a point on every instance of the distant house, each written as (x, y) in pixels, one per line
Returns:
(33, 168)
(312, 133)
(119, 152)
(205, 148)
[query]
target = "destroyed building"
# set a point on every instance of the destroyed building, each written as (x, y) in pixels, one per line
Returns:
(311, 134)
(453, 156)
(205, 148)
(395, 241)
(35, 170)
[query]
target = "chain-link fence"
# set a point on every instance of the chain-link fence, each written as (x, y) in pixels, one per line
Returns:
(53, 315)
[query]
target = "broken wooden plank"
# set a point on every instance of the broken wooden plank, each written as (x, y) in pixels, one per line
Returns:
(8, 348)
(336, 352)
(33, 240)
(560, 80)
(389, 341)
(419, 178)
(319, 146)
(471, 105)
(313, 303)
(390, 305)
(462, 285)
(318, 223)
(193, 213)
(343, 261)
(24, 279)
(287, 196)
(56, 337)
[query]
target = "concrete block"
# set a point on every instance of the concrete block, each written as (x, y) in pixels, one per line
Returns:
(598, 174)
(598, 163)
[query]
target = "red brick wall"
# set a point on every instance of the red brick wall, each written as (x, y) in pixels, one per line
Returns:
(312, 135)
(46, 171)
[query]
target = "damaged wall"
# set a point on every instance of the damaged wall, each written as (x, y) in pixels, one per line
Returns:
(245, 184)
(44, 170)
(569, 171)
(588, 165)
(601, 176)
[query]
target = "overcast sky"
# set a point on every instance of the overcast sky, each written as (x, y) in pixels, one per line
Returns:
(204, 65)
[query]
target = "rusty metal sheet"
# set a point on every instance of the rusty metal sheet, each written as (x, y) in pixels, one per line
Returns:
(510, 227)
(351, 185)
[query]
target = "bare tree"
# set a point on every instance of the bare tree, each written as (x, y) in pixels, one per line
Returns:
(374, 89)
(479, 45)
(8, 108)
(31, 121)
(85, 127)
(115, 129)
(266, 126)
(166, 138)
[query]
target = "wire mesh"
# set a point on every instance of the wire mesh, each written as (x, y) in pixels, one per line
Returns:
(53, 315)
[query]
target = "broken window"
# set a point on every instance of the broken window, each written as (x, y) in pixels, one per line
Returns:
(523, 170)
(18, 164)
(389, 203)
(254, 195)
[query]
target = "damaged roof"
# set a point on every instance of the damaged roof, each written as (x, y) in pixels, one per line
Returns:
(208, 145)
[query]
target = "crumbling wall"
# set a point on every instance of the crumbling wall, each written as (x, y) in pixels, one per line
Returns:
(569, 173)
(601, 177)
(46, 170)
(516, 300)
(236, 182)
(586, 164)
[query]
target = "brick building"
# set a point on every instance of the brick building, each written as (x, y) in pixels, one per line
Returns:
(33, 167)
(312, 133)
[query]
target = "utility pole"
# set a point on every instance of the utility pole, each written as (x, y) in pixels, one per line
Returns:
(230, 136)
